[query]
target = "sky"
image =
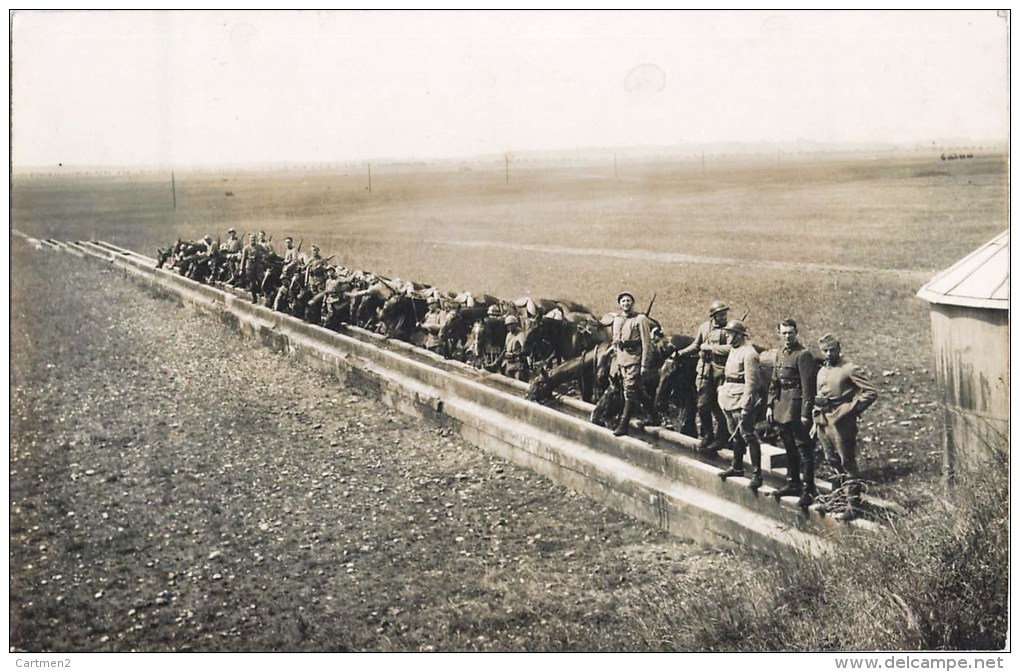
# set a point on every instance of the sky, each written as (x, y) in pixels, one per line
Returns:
(186, 88)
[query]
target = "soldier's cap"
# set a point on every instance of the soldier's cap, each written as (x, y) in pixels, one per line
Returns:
(827, 341)
(229, 231)
(619, 297)
(493, 310)
(736, 326)
(511, 319)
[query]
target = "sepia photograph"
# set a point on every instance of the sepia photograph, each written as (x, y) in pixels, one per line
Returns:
(509, 332)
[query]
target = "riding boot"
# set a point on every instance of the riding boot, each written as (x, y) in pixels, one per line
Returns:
(807, 464)
(705, 430)
(737, 466)
(624, 424)
(755, 449)
(807, 498)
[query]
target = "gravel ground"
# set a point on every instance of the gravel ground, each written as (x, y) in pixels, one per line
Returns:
(175, 487)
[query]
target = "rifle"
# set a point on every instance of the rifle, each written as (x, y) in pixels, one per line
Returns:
(300, 244)
(648, 313)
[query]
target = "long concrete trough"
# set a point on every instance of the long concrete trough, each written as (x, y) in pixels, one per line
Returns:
(654, 476)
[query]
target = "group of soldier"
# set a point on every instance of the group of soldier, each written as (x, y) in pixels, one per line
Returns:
(324, 287)
(805, 400)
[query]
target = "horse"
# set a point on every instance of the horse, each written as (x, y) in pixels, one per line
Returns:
(487, 342)
(557, 336)
(455, 333)
(676, 394)
(365, 304)
(271, 279)
(400, 315)
(590, 370)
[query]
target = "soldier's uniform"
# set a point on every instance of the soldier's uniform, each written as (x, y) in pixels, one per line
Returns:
(232, 252)
(738, 398)
(710, 376)
(315, 273)
(514, 363)
(253, 265)
(290, 255)
(332, 295)
(432, 323)
(843, 393)
(791, 398)
(632, 342)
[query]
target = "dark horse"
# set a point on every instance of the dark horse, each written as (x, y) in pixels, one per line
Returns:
(487, 341)
(455, 334)
(365, 304)
(675, 393)
(554, 340)
(589, 370)
(400, 315)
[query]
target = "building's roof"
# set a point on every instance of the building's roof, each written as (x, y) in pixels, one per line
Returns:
(979, 280)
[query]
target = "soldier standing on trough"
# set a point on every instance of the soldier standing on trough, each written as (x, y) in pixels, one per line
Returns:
(253, 263)
(712, 345)
(632, 342)
(738, 398)
(232, 253)
(514, 363)
(791, 400)
(432, 324)
(844, 392)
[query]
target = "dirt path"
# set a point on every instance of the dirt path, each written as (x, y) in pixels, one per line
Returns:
(646, 256)
(173, 487)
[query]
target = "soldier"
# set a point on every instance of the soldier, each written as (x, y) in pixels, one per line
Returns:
(712, 345)
(315, 271)
(738, 398)
(290, 254)
(632, 342)
(253, 262)
(264, 243)
(791, 400)
(432, 324)
(232, 253)
(515, 365)
(332, 296)
(843, 393)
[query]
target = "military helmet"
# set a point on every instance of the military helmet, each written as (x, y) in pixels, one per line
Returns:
(717, 307)
(828, 341)
(511, 319)
(231, 231)
(492, 311)
(623, 294)
(736, 326)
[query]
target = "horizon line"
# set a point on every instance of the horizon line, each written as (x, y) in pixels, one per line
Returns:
(639, 152)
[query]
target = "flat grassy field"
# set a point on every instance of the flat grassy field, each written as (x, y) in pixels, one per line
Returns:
(841, 245)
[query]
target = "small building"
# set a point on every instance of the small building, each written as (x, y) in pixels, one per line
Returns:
(970, 339)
